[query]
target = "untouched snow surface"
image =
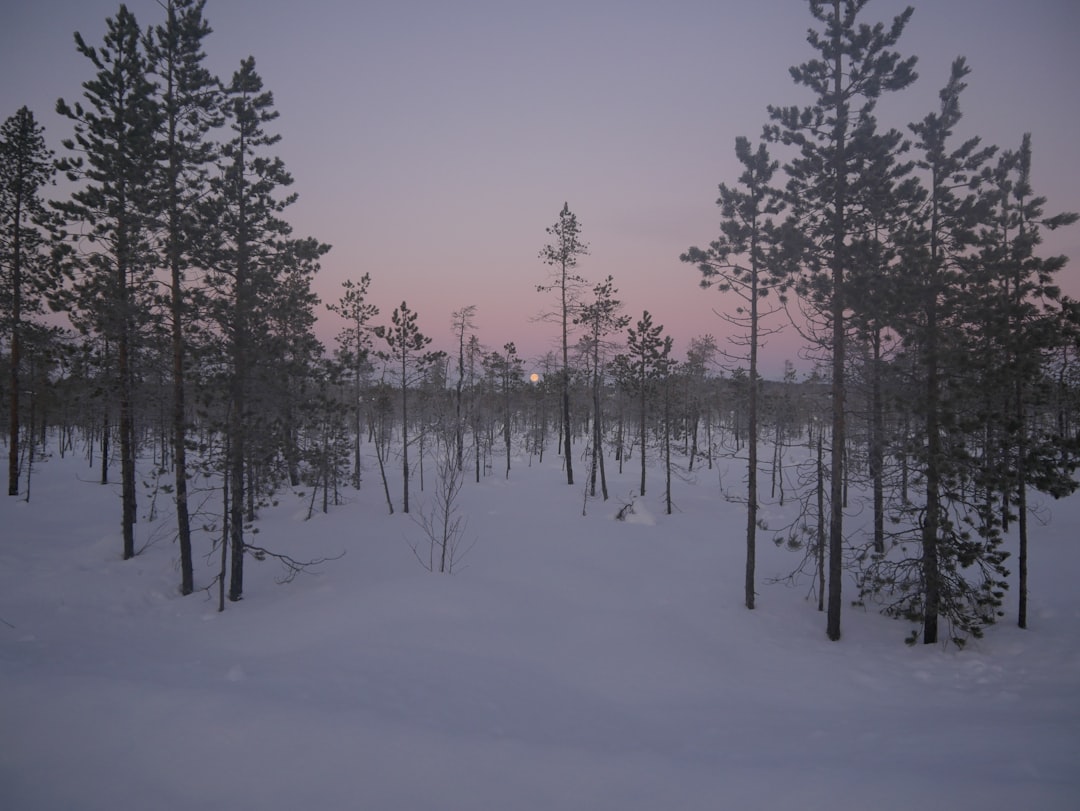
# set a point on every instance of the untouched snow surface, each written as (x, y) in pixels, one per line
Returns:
(570, 662)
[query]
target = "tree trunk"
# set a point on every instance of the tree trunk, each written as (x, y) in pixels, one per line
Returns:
(641, 435)
(752, 438)
(877, 444)
(16, 346)
(179, 407)
(836, 522)
(127, 422)
(404, 436)
(236, 505)
(1021, 506)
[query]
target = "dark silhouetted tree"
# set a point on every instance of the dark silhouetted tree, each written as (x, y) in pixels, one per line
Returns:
(462, 324)
(835, 136)
(115, 150)
(26, 167)
(600, 318)
(645, 363)
(189, 98)
(354, 342)
(253, 262)
(561, 254)
(744, 261)
(407, 352)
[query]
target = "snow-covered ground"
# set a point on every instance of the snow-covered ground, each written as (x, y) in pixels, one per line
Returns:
(570, 662)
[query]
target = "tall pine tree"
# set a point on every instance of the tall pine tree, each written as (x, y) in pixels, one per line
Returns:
(600, 317)
(835, 136)
(115, 150)
(26, 167)
(561, 255)
(1021, 286)
(746, 260)
(189, 98)
(935, 327)
(250, 252)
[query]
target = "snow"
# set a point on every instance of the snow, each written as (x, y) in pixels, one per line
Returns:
(570, 662)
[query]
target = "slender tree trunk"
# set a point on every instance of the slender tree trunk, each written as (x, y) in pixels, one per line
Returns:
(641, 434)
(566, 381)
(127, 423)
(836, 523)
(404, 435)
(236, 505)
(931, 523)
(1021, 505)
(598, 427)
(567, 451)
(667, 444)
(459, 427)
(506, 424)
(752, 439)
(183, 520)
(379, 454)
(16, 348)
(695, 421)
(226, 530)
(821, 519)
(877, 445)
(476, 441)
(597, 443)
(179, 405)
(358, 428)
(238, 401)
(30, 444)
(106, 430)
(543, 426)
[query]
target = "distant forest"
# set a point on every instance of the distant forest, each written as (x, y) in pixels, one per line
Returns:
(946, 379)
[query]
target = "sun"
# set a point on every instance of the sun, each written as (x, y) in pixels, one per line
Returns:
(534, 377)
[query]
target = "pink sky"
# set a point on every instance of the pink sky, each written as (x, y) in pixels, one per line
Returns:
(433, 142)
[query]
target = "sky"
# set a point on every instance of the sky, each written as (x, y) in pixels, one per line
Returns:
(433, 142)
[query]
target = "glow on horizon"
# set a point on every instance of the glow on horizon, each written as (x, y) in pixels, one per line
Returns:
(432, 143)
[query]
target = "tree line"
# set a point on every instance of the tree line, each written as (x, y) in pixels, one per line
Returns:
(945, 376)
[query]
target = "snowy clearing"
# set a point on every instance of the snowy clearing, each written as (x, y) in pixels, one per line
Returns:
(570, 662)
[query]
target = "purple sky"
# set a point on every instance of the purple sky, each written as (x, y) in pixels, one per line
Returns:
(433, 142)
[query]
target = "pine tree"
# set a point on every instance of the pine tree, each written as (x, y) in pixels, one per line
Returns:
(1020, 286)
(562, 254)
(462, 323)
(600, 317)
(954, 213)
(744, 260)
(26, 167)
(834, 136)
(354, 342)
(189, 99)
(700, 357)
(893, 198)
(407, 351)
(940, 294)
(288, 355)
(250, 253)
(646, 361)
(505, 368)
(114, 207)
